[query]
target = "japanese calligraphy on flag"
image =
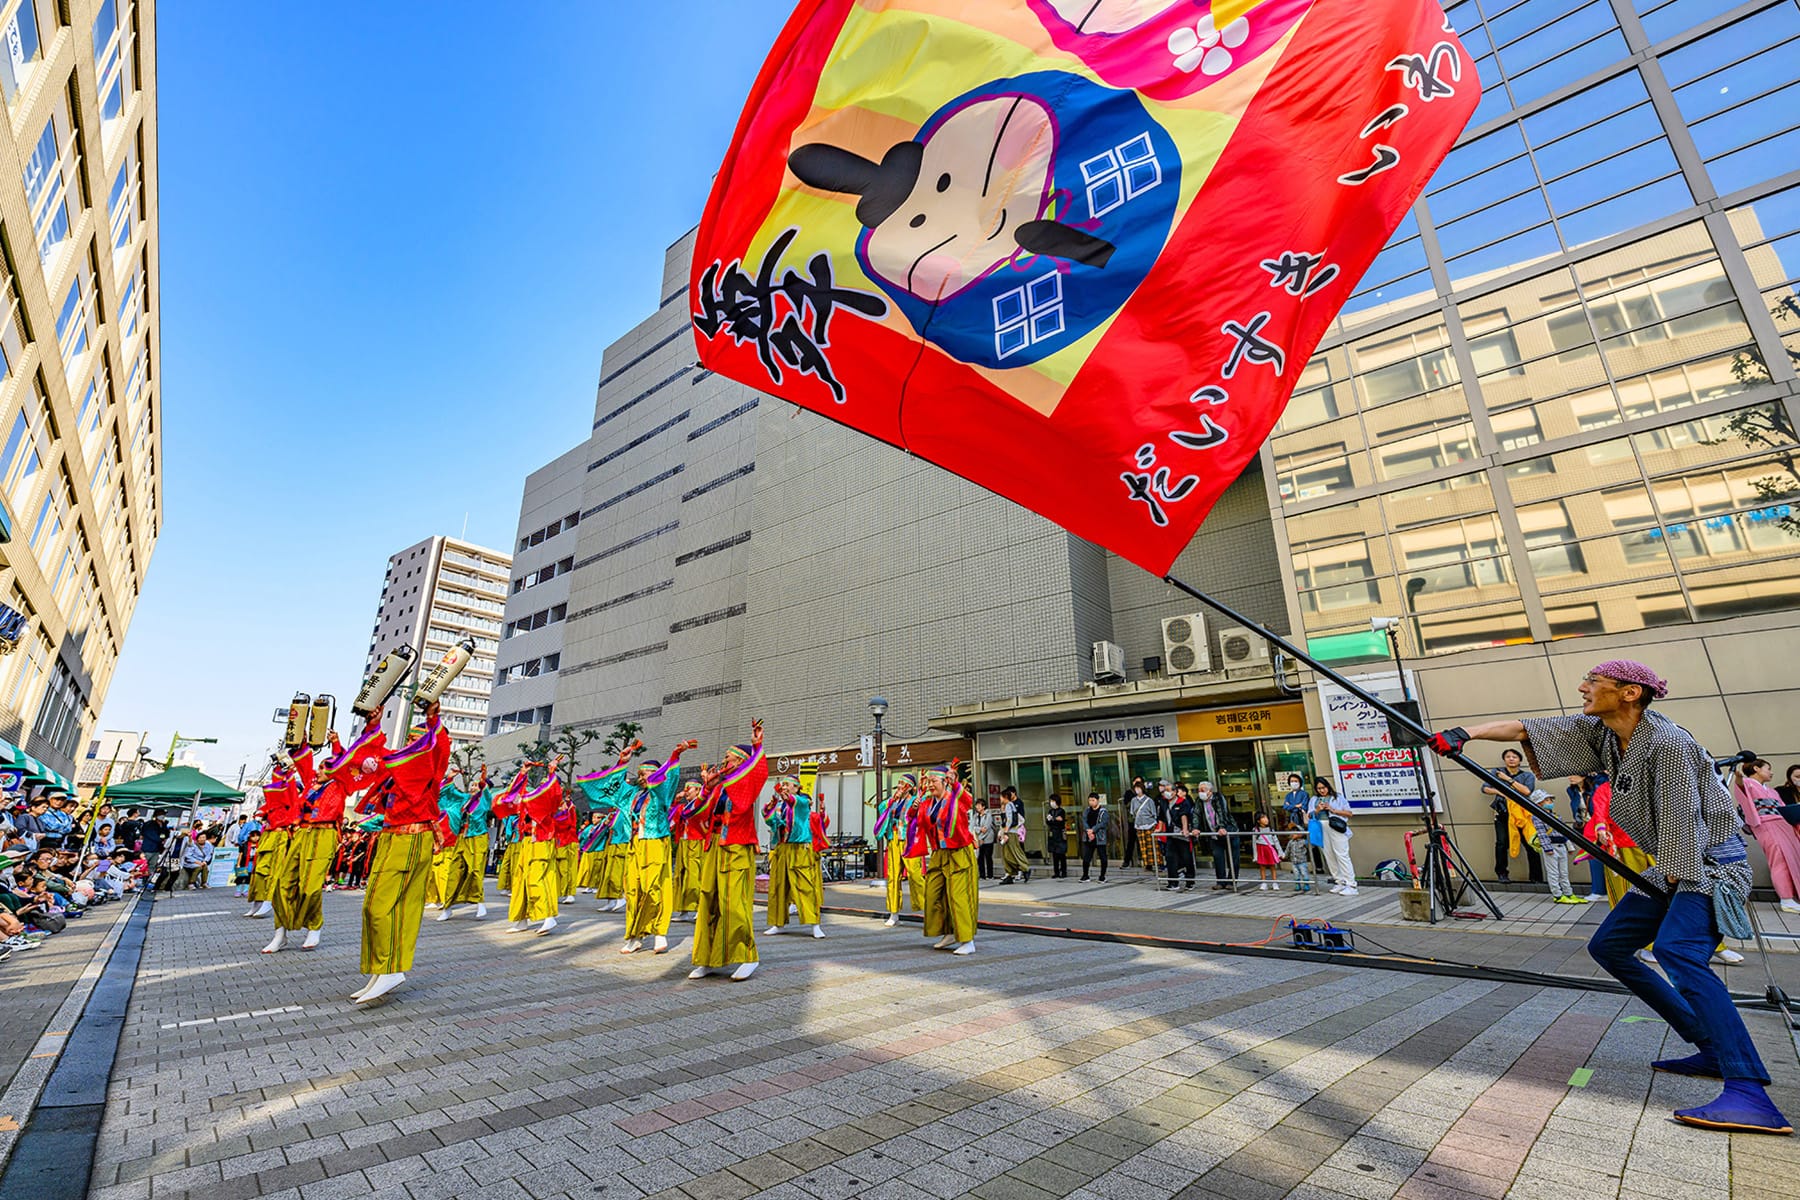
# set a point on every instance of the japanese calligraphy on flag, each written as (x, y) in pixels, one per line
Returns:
(1076, 251)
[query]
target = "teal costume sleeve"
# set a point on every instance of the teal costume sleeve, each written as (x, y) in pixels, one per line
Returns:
(802, 827)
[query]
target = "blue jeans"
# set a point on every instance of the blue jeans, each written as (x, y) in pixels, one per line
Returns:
(1697, 1007)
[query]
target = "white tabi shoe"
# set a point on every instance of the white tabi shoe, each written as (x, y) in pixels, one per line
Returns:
(818, 932)
(432, 904)
(263, 910)
(381, 985)
(312, 940)
(568, 900)
(547, 926)
(631, 946)
(893, 919)
(278, 942)
(480, 911)
(699, 972)
(772, 930)
(660, 945)
(744, 971)
(619, 905)
(367, 983)
(252, 913)
(517, 926)
(964, 948)
(443, 916)
(945, 942)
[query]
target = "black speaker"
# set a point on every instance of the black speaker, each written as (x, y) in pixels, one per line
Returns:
(1399, 734)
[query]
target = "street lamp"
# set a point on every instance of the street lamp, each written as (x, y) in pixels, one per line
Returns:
(879, 707)
(178, 740)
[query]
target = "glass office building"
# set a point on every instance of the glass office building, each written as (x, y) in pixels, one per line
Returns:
(1563, 400)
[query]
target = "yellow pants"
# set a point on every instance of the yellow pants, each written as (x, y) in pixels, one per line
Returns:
(299, 897)
(1012, 856)
(465, 877)
(394, 901)
(587, 875)
(566, 858)
(534, 894)
(440, 873)
(649, 892)
(794, 879)
(901, 869)
(271, 852)
(725, 924)
(951, 904)
(504, 874)
(685, 876)
(612, 871)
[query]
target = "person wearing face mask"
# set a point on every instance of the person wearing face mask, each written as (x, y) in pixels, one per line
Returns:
(1216, 826)
(1096, 823)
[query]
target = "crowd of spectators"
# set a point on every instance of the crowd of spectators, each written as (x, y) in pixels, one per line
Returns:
(58, 861)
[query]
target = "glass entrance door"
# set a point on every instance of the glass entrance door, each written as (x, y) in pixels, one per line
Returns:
(1237, 767)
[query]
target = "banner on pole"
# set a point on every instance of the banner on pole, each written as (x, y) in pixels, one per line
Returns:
(1075, 251)
(1371, 772)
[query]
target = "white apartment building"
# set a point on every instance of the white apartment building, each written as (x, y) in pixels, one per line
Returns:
(436, 593)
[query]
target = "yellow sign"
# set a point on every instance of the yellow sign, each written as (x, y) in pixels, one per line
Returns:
(809, 778)
(1249, 721)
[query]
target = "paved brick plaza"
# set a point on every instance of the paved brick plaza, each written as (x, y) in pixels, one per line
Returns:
(865, 1065)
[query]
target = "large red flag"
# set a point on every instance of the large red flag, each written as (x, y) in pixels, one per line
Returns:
(1076, 251)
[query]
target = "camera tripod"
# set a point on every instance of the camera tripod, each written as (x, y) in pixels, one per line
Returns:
(1442, 861)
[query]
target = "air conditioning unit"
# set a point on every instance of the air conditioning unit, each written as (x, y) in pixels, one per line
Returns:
(1184, 645)
(1109, 662)
(1238, 647)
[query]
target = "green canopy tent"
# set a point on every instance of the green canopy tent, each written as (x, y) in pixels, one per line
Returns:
(178, 787)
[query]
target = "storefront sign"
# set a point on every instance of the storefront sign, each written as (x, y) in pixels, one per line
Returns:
(1256, 720)
(12, 780)
(1118, 733)
(1371, 772)
(898, 755)
(1144, 732)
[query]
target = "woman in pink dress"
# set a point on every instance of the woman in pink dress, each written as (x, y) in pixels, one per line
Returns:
(1762, 814)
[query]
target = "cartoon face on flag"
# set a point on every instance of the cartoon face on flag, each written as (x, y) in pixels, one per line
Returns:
(1076, 251)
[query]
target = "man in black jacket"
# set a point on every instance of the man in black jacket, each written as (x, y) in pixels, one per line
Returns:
(1096, 821)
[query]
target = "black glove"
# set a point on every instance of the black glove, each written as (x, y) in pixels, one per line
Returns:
(1448, 741)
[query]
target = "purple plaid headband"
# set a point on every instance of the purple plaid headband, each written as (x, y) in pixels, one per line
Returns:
(1626, 670)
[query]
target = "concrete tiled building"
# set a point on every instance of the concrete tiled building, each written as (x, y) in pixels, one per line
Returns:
(436, 593)
(522, 707)
(1555, 423)
(80, 407)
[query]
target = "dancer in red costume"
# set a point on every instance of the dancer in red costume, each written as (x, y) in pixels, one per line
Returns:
(404, 792)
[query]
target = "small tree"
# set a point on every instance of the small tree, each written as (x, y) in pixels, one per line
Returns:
(468, 759)
(536, 751)
(1767, 427)
(623, 734)
(569, 743)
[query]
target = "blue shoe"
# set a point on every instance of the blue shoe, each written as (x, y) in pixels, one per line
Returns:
(1743, 1107)
(1703, 1065)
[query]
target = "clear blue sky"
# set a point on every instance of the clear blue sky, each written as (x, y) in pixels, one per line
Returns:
(395, 240)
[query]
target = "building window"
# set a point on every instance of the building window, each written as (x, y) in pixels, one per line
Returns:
(59, 716)
(27, 444)
(113, 54)
(75, 323)
(47, 174)
(19, 45)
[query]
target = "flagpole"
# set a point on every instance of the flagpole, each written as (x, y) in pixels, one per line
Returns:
(1423, 734)
(87, 839)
